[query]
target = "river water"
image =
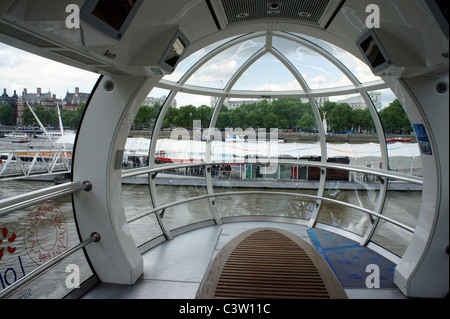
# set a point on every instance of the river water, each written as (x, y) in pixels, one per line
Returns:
(31, 236)
(43, 230)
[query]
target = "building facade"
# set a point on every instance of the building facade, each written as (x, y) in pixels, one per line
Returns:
(357, 102)
(72, 101)
(11, 100)
(19, 103)
(151, 101)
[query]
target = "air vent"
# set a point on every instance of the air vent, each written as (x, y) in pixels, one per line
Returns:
(306, 11)
(25, 37)
(77, 57)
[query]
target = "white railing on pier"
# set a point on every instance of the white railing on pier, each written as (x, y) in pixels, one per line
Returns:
(26, 163)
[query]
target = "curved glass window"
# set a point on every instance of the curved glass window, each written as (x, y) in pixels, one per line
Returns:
(356, 66)
(217, 72)
(267, 74)
(316, 70)
(268, 126)
(33, 163)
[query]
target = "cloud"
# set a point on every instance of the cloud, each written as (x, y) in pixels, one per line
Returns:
(184, 99)
(214, 72)
(287, 86)
(20, 70)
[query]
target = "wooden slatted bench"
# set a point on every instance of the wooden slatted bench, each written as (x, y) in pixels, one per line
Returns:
(269, 263)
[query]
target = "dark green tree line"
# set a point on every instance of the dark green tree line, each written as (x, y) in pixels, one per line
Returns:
(49, 116)
(289, 114)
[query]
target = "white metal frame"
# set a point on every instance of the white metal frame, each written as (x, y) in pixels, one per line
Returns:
(307, 92)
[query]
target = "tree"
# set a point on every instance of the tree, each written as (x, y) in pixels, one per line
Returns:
(238, 118)
(204, 114)
(169, 119)
(270, 121)
(369, 124)
(27, 117)
(394, 118)
(70, 118)
(6, 114)
(255, 119)
(48, 117)
(144, 116)
(327, 107)
(340, 117)
(186, 116)
(224, 118)
(306, 123)
(359, 119)
(289, 111)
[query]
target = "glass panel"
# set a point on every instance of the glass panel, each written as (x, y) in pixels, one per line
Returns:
(267, 74)
(339, 216)
(183, 131)
(318, 72)
(404, 207)
(138, 143)
(273, 158)
(351, 134)
(264, 204)
(357, 189)
(182, 141)
(403, 149)
(190, 60)
(351, 140)
(137, 201)
(217, 72)
(32, 236)
(172, 188)
(355, 65)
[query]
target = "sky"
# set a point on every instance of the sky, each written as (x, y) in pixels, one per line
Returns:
(19, 70)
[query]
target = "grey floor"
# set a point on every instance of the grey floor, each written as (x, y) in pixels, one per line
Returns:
(175, 269)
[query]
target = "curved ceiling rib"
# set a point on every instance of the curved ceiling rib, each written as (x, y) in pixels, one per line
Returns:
(322, 52)
(216, 52)
(357, 86)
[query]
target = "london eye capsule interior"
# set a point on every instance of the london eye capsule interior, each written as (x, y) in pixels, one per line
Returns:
(226, 149)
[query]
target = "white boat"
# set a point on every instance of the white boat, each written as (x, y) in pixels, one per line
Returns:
(52, 135)
(17, 135)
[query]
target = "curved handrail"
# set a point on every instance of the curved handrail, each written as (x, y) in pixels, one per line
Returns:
(312, 197)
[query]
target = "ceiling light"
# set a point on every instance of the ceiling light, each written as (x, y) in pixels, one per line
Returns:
(274, 5)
